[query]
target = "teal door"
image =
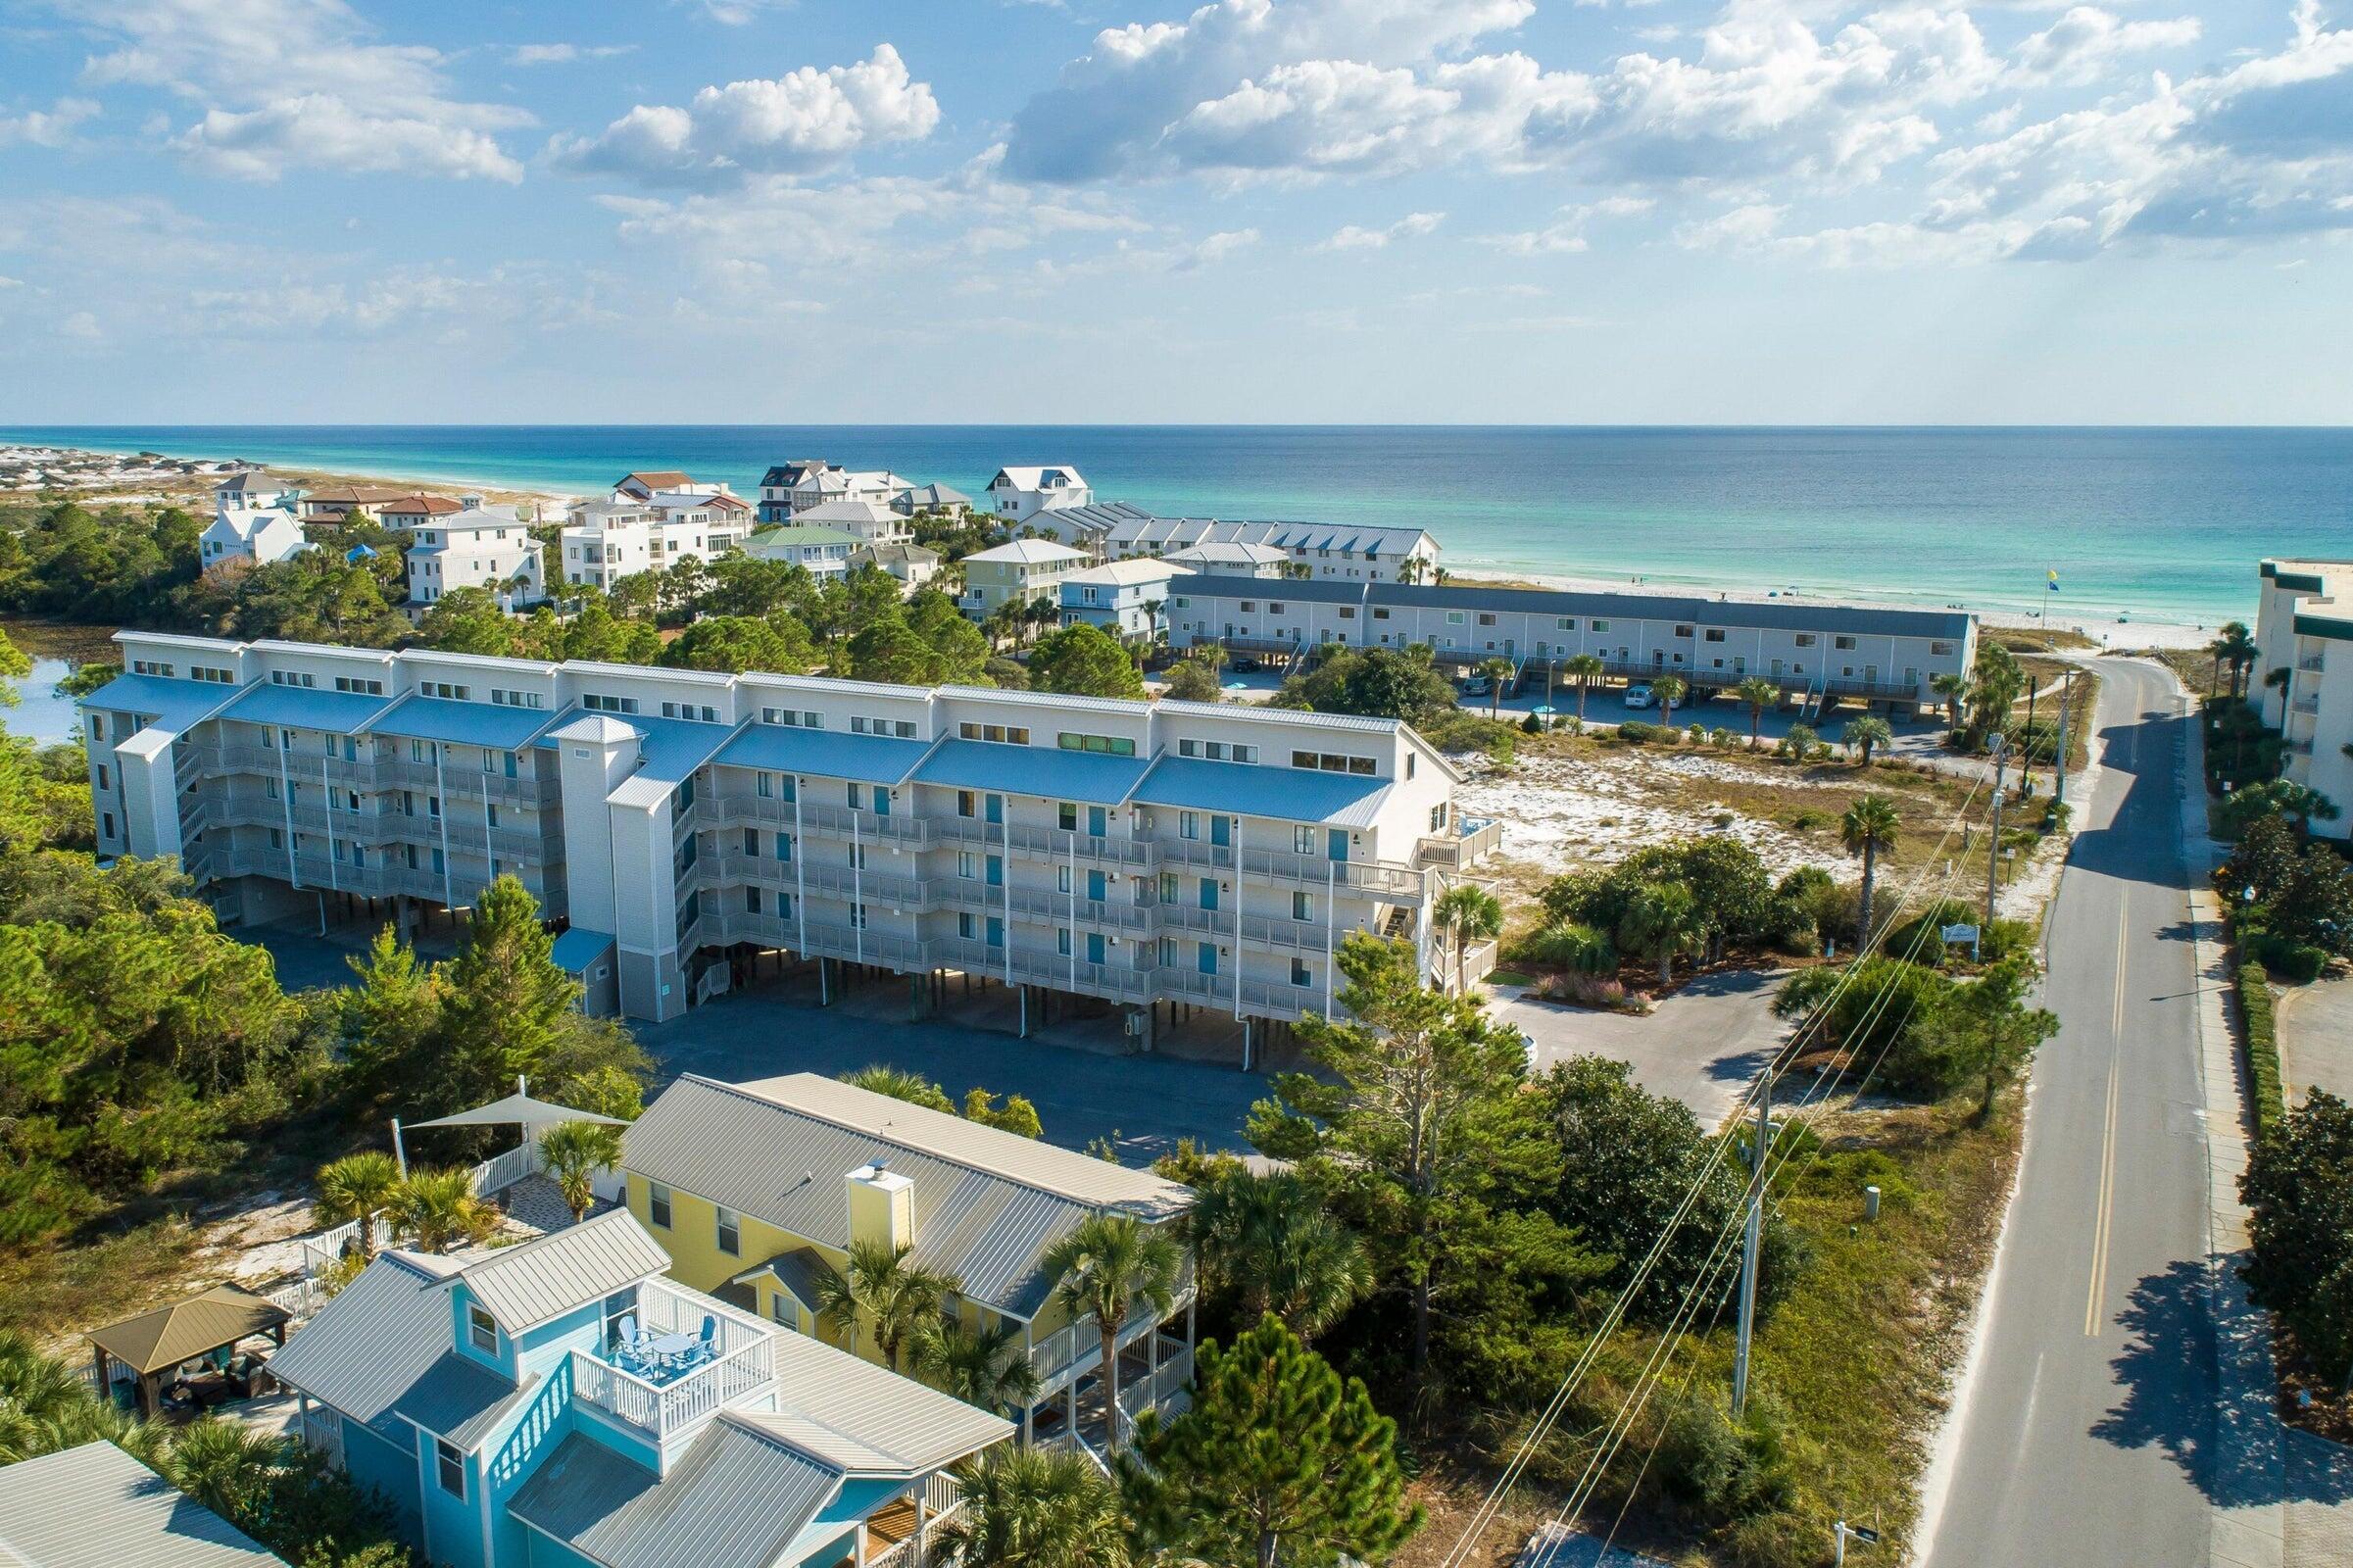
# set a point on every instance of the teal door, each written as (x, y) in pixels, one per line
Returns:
(997, 870)
(1095, 887)
(1208, 893)
(994, 806)
(1336, 844)
(1207, 961)
(1221, 831)
(996, 932)
(1097, 821)
(1095, 948)
(882, 800)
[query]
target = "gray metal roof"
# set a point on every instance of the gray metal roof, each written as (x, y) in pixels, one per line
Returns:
(735, 1499)
(920, 1428)
(799, 1270)
(526, 1286)
(375, 1338)
(96, 1507)
(459, 1399)
(1770, 614)
(987, 1203)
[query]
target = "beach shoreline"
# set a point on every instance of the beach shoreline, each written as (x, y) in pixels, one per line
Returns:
(2119, 629)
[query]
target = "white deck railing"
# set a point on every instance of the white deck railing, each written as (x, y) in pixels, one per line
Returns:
(942, 1500)
(745, 1363)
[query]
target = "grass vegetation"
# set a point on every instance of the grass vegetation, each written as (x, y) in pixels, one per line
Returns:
(2260, 1038)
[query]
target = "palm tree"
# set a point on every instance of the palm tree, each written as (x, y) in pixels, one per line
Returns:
(573, 1153)
(1867, 733)
(1871, 825)
(988, 1367)
(225, 1465)
(882, 1289)
(1954, 689)
(2234, 650)
(1759, 693)
(1497, 671)
(1473, 915)
(881, 1078)
(45, 1407)
(1105, 1267)
(1151, 621)
(1213, 655)
(439, 1208)
(1587, 668)
(1270, 1240)
(1669, 690)
(1661, 919)
(357, 1186)
(1037, 1508)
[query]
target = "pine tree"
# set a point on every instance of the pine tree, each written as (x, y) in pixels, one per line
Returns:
(1276, 1462)
(508, 1007)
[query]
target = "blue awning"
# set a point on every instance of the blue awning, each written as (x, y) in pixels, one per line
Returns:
(173, 704)
(452, 722)
(575, 949)
(831, 753)
(307, 707)
(1033, 770)
(1291, 794)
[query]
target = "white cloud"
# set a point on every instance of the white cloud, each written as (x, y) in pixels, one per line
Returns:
(565, 54)
(738, 13)
(1413, 226)
(805, 121)
(1566, 235)
(51, 127)
(82, 325)
(2084, 44)
(1218, 247)
(295, 83)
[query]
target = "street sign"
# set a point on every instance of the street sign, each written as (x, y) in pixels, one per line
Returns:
(1958, 933)
(1864, 1534)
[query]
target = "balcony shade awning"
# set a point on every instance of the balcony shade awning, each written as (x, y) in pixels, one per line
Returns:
(518, 1108)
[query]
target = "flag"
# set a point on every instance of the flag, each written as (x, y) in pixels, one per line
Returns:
(2054, 575)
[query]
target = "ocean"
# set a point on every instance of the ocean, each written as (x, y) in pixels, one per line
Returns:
(2159, 525)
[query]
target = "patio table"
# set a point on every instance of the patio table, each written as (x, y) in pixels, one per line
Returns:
(670, 1346)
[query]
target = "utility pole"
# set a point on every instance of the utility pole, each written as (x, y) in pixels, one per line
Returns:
(1994, 837)
(2067, 689)
(1752, 1244)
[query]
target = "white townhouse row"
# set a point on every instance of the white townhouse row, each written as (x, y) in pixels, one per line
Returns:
(476, 546)
(2304, 627)
(1206, 854)
(1833, 649)
(789, 489)
(650, 523)
(1115, 530)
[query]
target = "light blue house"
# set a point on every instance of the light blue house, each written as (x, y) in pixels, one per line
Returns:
(560, 1404)
(1126, 598)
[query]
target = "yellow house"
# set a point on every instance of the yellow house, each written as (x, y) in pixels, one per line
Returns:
(757, 1190)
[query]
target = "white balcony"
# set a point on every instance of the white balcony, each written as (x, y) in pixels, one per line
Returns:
(729, 1361)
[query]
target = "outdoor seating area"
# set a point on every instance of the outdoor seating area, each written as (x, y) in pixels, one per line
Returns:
(662, 1358)
(191, 1356)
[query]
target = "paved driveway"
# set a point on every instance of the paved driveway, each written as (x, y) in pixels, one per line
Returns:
(1146, 1102)
(1704, 1044)
(2316, 1037)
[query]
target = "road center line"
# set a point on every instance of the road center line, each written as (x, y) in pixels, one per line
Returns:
(2105, 1204)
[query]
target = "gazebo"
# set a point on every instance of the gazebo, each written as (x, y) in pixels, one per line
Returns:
(154, 1343)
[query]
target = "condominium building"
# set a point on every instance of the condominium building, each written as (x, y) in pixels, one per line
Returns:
(1129, 599)
(476, 546)
(255, 535)
(1228, 560)
(1208, 856)
(1023, 571)
(1018, 495)
(2303, 677)
(1115, 530)
(1831, 650)
(763, 1189)
(567, 1401)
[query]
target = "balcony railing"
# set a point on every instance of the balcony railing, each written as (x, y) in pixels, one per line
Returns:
(1076, 1348)
(942, 1500)
(1468, 844)
(743, 1363)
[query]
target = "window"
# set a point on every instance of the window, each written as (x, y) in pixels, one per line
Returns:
(1061, 941)
(602, 703)
(1302, 903)
(730, 1231)
(657, 1204)
(791, 718)
(967, 924)
(1302, 839)
(1486, 619)
(1300, 974)
(1845, 642)
(505, 697)
(751, 841)
(149, 667)
(353, 683)
(1715, 634)
(1682, 632)
(1066, 817)
(482, 1330)
(996, 734)
(1110, 744)
(450, 1465)
(1189, 825)
(1455, 618)
(1805, 639)
(1380, 614)
(751, 900)
(443, 688)
(1940, 648)
(1328, 763)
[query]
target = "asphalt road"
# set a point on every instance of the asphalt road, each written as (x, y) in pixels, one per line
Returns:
(2084, 1433)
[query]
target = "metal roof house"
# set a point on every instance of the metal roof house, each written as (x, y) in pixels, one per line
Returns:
(96, 1507)
(762, 1189)
(561, 1402)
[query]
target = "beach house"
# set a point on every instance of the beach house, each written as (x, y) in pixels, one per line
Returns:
(476, 546)
(254, 535)
(823, 551)
(1018, 495)
(2302, 681)
(1231, 560)
(1129, 599)
(1023, 572)
(763, 1187)
(640, 527)
(913, 564)
(254, 489)
(876, 522)
(568, 1403)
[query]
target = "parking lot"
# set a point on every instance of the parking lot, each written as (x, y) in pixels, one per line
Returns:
(1703, 1045)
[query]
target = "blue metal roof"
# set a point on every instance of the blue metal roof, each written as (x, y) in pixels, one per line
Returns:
(1772, 614)
(442, 718)
(175, 704)
(575, 949)
(1293, 794)
(1033, 770)
(785, 748)
(674, 747)
(307, 707)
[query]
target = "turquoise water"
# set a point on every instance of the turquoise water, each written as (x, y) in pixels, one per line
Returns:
(2166, 525)
(40, 714)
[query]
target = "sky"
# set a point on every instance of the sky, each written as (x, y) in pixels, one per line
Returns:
(1116, 211)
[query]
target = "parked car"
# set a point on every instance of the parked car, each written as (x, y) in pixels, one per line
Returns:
(1245, 663)
(1640, 696)
(1475, 686)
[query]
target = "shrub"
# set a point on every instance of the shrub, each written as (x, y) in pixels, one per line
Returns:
(1875, 1016)
(1569, 945)
(1532, 726)
(2297, 962)
(1799, 743)
(1724, 739)
(2262, 1045)
(2298, 1189)
(1814, 904)
(1696, 733)
(1603, 992)
(1635, 732)
(1916, 939)
(1464, 731)
(1720, 1471)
